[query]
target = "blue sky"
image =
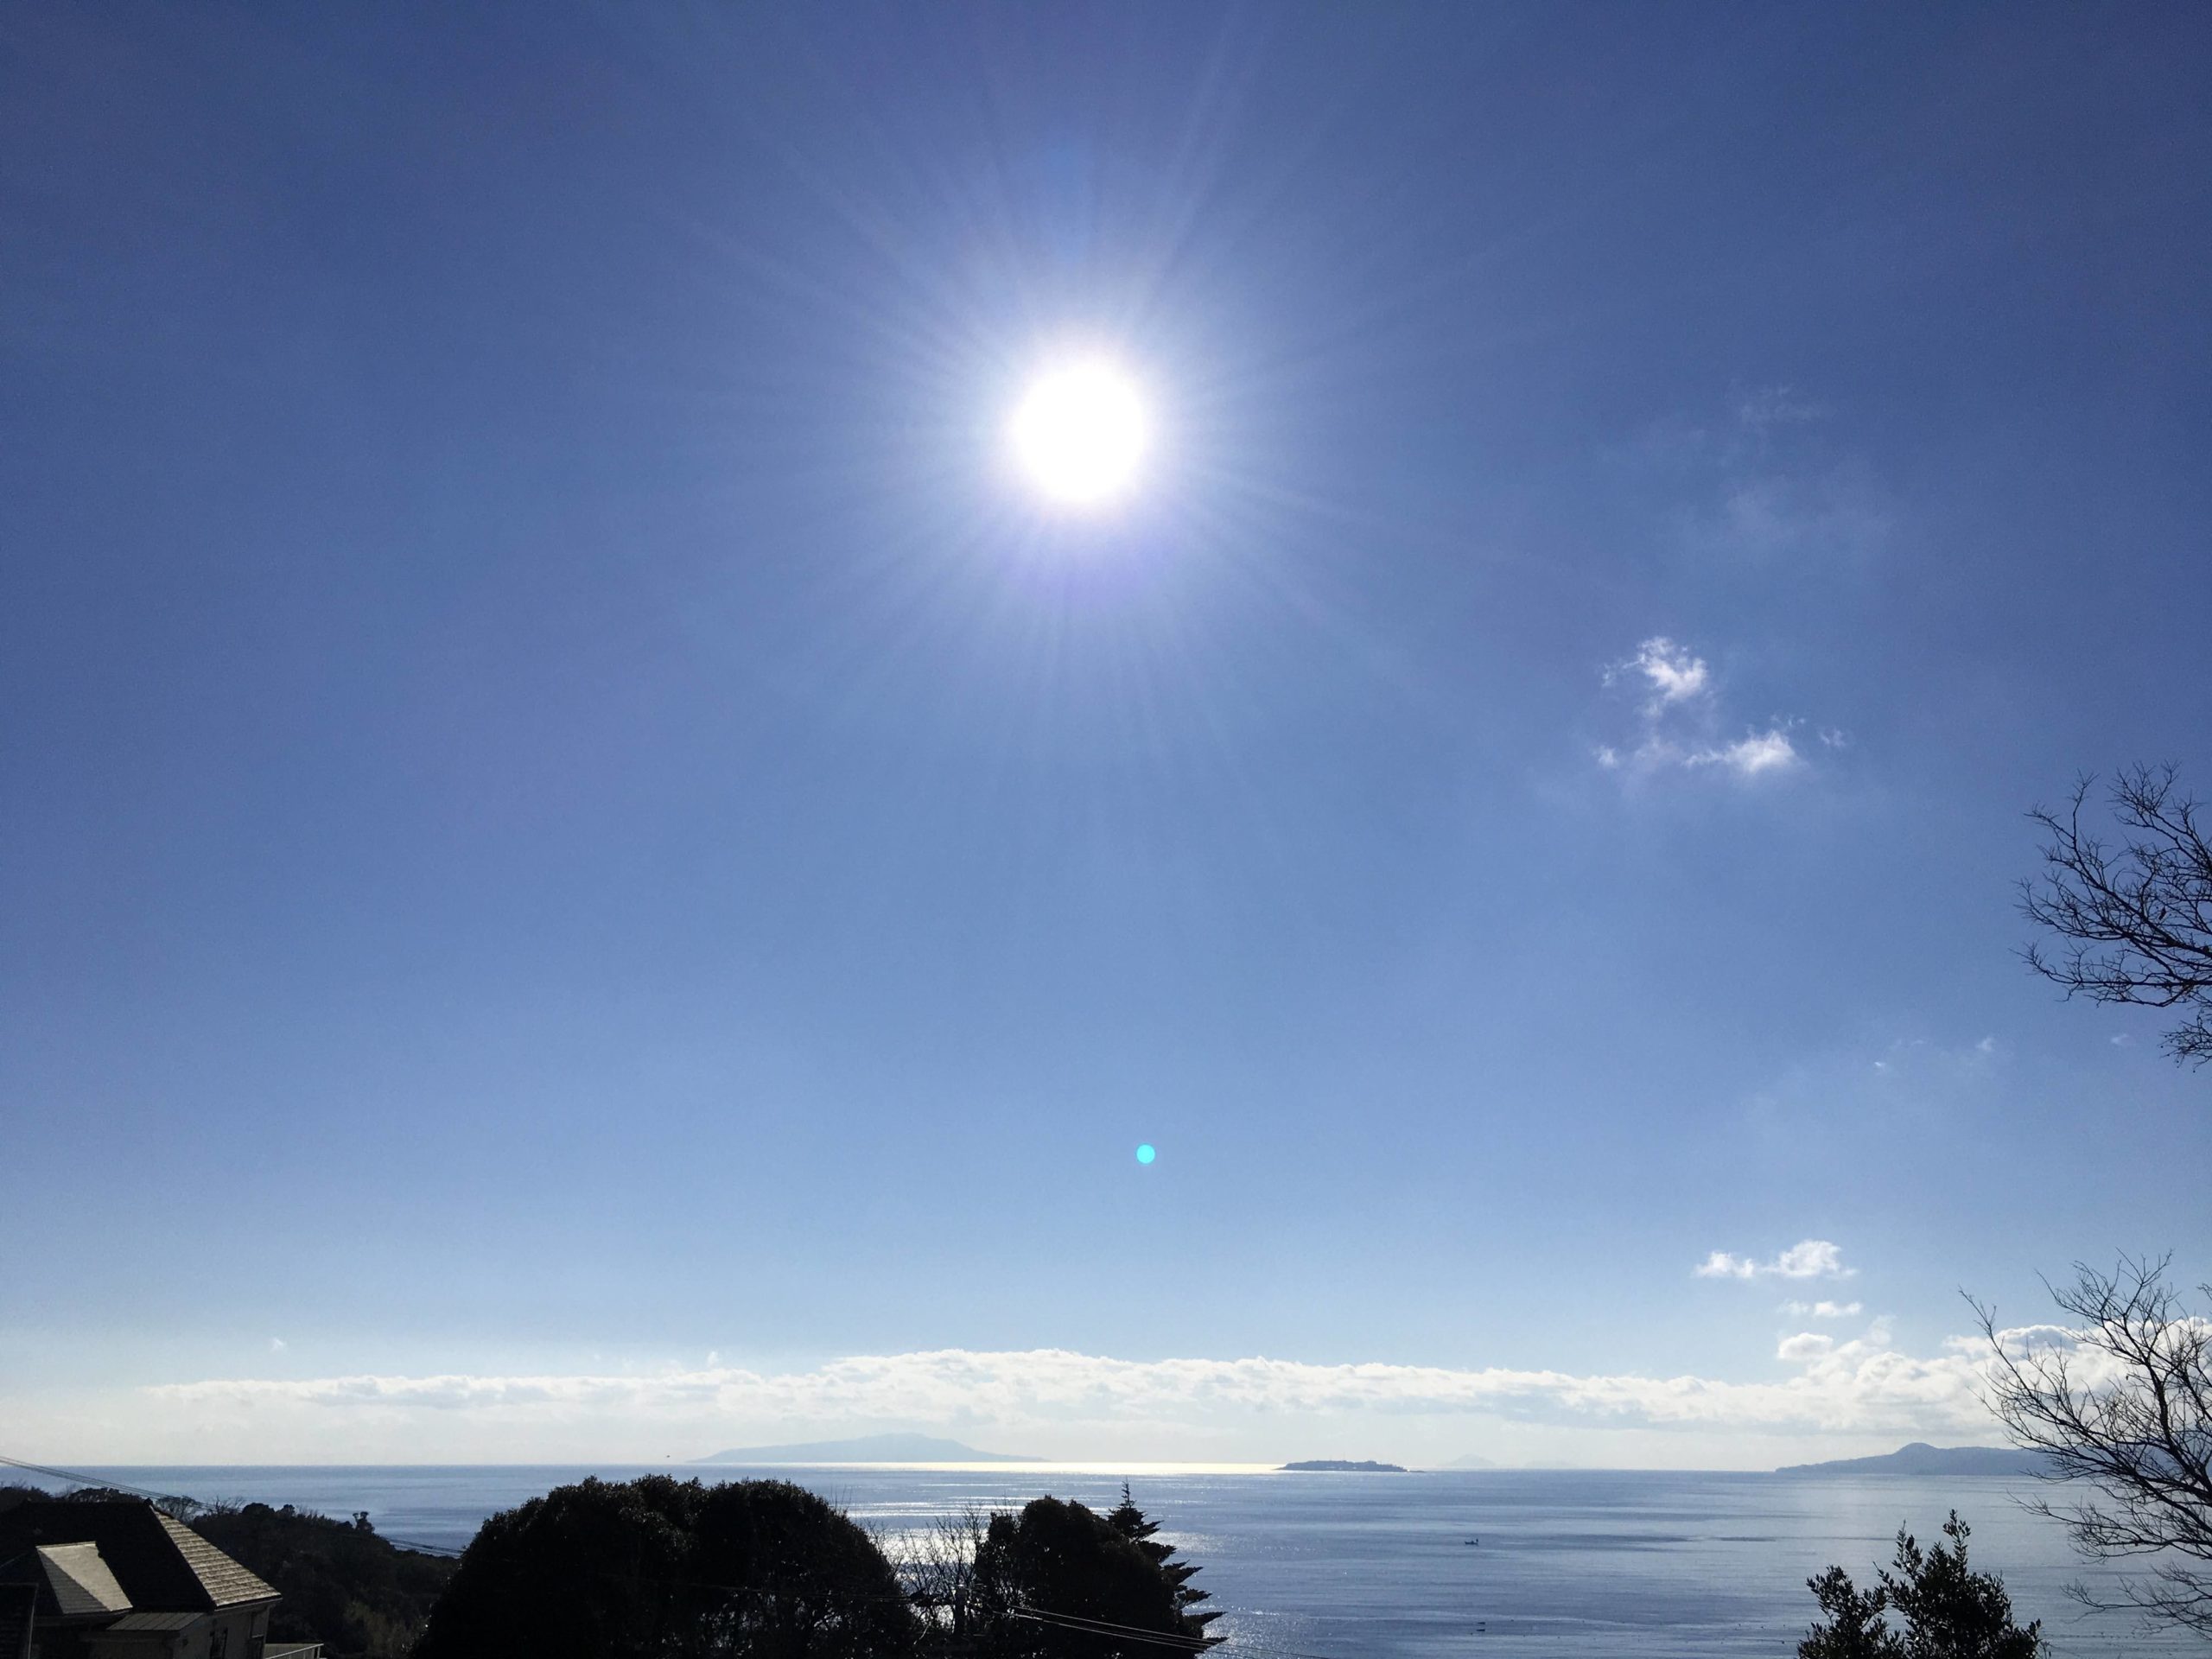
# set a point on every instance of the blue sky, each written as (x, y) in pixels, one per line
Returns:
(582, 873)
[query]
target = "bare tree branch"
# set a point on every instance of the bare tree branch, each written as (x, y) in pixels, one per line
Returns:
(2135, 916)
(2121, 1401)
(938, 1568)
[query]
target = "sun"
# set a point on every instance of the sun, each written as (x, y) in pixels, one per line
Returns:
(1080, 434)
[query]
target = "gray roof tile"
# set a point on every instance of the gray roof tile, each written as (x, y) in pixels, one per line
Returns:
(225, 1582)
(163, 1564)
(156, 1622)
(70, 1580)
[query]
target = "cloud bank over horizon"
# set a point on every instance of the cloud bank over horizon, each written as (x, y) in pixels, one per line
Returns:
(1058, 1402)
(1866, 1385)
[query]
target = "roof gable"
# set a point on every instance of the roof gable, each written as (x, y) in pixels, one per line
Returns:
(225, 1582)
(79, 1580)
(159, 1563)
(67, 1581)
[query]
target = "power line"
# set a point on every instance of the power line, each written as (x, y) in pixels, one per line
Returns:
(1085, 1626)
(103, 1484)
(83, 1479)
(1082, 1626)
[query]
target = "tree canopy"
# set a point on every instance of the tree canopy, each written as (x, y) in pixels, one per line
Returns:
(672, 1570)
(1132, 1523)
(1942, 1608)
(1060, 1581)
(343, 1585)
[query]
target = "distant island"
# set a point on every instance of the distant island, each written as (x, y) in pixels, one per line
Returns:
(1342, 1467)
(1922, 1458)
(1472, 1460)
(868, 1448)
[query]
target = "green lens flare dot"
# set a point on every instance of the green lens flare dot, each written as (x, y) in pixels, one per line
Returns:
(1145, 1153)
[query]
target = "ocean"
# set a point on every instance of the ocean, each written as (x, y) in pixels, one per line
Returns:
(1648, 1565)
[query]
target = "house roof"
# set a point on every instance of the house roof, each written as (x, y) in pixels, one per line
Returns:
(69, 1580)
(225, 1582)
(161, 1564)
(154, 1622)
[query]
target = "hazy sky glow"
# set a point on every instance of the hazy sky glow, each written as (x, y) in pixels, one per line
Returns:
(587, 871)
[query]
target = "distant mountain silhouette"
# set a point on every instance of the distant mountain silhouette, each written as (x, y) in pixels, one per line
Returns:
(868, 1448)
(1471, 1461)
(1343, 1466)
(1922, 1458)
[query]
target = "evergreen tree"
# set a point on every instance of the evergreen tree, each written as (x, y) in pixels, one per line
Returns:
(1133, 1524)
(1950, 1612)
(1060, 1581)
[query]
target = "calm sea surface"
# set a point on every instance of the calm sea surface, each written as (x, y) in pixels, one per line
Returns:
(1378, 1566)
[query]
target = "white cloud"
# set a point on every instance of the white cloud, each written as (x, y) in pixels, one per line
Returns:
(1059, 1404)
(1672, 672)
(276, 1345)
(1859, 1386)
(1751, 754)
(1811, 1258)
(1823, 1310)
(1678, 720)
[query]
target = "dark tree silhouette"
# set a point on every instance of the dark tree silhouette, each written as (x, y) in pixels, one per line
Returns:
(1946, 1610)
(2135, 916)
(1133, 1524)
(343, 1585)
(1060, 1581)
(658, 1569)
(2123, 1405)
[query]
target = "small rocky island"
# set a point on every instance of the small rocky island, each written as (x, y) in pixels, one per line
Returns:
(1342, 1467)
